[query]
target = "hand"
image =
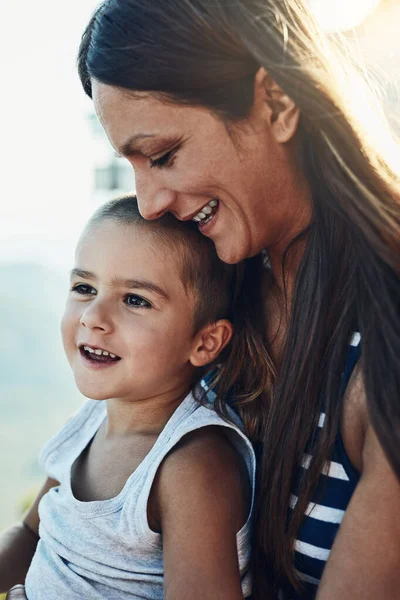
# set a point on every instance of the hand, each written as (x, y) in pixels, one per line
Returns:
(16, 593)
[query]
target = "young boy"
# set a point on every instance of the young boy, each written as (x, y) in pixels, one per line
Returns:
(150, 490)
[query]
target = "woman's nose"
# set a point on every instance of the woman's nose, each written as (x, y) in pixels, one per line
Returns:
(153, 200)
(97, 317)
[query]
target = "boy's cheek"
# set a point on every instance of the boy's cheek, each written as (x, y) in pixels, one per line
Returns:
(68, 326)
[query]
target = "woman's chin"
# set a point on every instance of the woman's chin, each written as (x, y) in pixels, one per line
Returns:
(231, 254)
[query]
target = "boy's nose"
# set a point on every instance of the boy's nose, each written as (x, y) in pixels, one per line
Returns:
(96, 317)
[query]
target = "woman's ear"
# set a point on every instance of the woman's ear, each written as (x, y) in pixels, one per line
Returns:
(282, 113)
(210, 341)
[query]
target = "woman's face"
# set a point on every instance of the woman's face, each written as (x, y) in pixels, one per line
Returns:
(240, 182)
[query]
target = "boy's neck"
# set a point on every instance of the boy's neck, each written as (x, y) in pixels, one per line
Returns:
(146, 416)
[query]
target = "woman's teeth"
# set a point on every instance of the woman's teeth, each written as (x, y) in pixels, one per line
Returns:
(206, 212)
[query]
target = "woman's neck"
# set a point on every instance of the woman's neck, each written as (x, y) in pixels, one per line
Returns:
(286, 251)
(284, 267)
(278, 292)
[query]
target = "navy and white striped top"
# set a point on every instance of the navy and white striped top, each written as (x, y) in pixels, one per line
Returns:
(322, 520)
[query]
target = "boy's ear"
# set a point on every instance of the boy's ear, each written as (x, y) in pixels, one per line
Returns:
(210, 341)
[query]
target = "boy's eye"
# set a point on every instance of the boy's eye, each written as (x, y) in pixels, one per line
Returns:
(84, 289)
(135, 301)
(164, 161)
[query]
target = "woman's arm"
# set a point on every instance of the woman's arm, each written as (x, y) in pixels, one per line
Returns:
(200, 499)
(18, 544)
(365, 560)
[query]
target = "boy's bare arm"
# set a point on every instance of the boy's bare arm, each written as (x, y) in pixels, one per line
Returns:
(18, 544)
(202, 499)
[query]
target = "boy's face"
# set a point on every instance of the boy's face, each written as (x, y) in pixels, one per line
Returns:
(127, 299)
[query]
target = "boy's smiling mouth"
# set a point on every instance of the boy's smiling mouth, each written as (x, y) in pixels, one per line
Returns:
(95, 354)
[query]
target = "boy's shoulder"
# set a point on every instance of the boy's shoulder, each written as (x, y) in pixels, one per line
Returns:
(208, 446)
(203, 456)
(199, 470)
(196, 422)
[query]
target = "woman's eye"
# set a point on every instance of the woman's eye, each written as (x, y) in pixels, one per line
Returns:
(136, 301)
(165, 160)
(83, 289)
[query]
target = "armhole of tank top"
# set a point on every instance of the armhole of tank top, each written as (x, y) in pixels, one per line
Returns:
(353, 355)
(88, 410)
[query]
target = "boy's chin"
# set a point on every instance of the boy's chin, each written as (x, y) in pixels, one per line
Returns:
(93, 395)
(93, 392)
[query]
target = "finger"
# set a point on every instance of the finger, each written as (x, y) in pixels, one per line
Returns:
(16, 593)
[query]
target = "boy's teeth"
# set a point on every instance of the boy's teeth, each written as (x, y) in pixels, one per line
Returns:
(207, 210)
(98, 351)
(213, 203)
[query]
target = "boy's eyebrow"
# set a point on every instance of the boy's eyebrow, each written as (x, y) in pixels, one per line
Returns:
(82, 273)
(142, 284)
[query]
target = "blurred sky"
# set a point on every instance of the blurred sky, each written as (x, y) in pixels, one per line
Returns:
(45, 155)
(46, 147)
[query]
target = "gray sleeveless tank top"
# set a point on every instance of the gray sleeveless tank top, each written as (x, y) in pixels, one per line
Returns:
(106, 549)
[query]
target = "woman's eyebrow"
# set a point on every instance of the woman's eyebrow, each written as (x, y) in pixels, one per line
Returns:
(130, 146)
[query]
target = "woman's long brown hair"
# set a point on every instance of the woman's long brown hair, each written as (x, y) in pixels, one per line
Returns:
(206, 53)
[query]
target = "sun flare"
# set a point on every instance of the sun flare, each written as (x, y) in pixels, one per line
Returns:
(342, 15)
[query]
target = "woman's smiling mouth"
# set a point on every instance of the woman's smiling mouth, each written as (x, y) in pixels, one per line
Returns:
(207, 212)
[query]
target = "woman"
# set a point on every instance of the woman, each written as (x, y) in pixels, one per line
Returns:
(239, 115)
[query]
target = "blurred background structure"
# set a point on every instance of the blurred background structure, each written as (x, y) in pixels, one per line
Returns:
(57, 166)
